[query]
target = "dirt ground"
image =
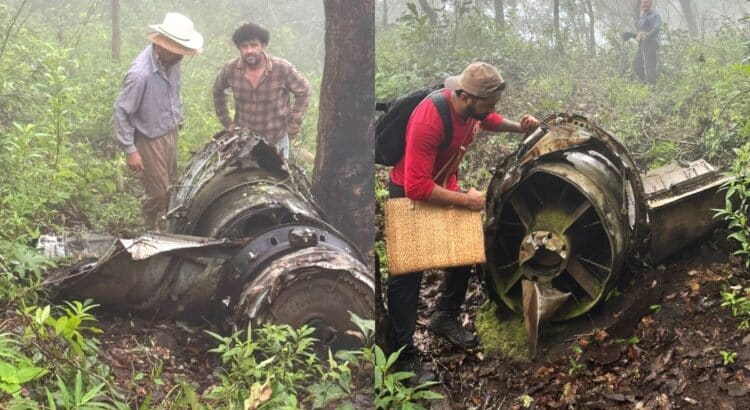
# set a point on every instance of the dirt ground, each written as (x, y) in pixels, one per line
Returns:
(669, 357)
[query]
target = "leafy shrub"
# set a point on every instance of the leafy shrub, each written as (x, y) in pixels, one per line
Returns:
(55, 359)
(737, 204)
(16, 369)
(268, 367)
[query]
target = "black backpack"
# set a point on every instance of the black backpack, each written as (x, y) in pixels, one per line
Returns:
(390, 128)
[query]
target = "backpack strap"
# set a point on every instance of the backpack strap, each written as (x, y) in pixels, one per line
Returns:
(441, 103)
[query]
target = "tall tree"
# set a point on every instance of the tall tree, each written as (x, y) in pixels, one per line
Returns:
(499, 13)
(116, 32)
(592, 32)
(344, 176)
(429, 11)
(556, 25)
(385, 14)
(692, 23)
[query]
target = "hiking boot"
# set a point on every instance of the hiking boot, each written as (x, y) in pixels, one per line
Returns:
(448, 326)
(413, 364)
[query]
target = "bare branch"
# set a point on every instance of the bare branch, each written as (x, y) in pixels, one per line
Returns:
(10, 27)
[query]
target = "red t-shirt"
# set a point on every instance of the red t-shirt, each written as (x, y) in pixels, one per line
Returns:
(423, 158)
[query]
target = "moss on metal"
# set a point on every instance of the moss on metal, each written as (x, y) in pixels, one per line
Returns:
(503, 338)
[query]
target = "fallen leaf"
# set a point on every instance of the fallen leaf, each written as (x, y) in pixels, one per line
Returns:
(600, 336)
(259, 394)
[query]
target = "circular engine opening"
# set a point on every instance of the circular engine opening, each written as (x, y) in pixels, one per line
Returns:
(561, 237)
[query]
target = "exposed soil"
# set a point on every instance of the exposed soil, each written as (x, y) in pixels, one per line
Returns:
(669, 357)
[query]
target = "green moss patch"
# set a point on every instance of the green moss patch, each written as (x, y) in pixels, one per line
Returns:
(503, 338)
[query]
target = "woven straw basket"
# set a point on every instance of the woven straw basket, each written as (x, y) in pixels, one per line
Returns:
(423, 236)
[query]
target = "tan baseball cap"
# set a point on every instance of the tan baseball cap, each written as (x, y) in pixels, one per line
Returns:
(478, 79)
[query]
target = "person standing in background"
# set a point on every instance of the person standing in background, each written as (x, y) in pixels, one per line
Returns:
(261, 85)
(647, 36)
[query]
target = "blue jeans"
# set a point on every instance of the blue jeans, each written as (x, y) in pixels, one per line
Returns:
(283, 146)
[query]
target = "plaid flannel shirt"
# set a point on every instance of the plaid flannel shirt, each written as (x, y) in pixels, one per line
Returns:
(264, 109)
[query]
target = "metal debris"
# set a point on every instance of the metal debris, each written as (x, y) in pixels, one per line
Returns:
(276, 258)
(570, 206)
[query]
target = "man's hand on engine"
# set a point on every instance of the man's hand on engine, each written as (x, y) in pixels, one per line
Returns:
(475, 199)
(528, 123)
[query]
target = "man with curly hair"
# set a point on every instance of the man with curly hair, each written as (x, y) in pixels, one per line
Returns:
(261, 85)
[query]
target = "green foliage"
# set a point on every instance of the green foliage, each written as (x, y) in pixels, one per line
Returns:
(633, 340)
(52, 359)
(270, 366)
(740, 306)
(381, 253)
(525, 401)
(80, 396)
(51, 170)
(16, 369)
(728, 357)
(737, 203)
(21, 270)
(388, 388)
(575, 365)
(275, 367)
(70, 325)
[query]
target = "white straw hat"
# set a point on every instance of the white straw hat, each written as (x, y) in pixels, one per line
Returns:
(180, 30)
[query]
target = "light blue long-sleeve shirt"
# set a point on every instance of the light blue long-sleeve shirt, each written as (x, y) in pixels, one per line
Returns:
(650, 22)
(149, 100)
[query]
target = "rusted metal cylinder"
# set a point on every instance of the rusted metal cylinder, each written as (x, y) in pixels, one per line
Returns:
(569, 207)
(561, 213)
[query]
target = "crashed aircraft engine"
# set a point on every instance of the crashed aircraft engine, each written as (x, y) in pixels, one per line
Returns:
(569, 207)
(275, 259)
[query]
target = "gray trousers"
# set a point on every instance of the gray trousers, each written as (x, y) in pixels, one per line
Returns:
(644, 62)
(159, 157)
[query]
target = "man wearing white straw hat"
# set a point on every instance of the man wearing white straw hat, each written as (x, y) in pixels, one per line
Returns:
(148, 111)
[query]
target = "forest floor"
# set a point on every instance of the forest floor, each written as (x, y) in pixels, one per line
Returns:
(669, 357)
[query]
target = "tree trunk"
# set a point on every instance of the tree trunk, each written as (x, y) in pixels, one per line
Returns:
(556, 24)
(429, 11)
(692, 23)
(116, 33)
(344, 177)
(592, 34)
(499, 13)
(636, 10)
(385, 14)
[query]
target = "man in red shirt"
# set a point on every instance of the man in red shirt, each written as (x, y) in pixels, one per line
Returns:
(428, 173)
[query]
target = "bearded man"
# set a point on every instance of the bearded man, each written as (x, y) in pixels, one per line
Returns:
(261, 85)
(428, 172)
